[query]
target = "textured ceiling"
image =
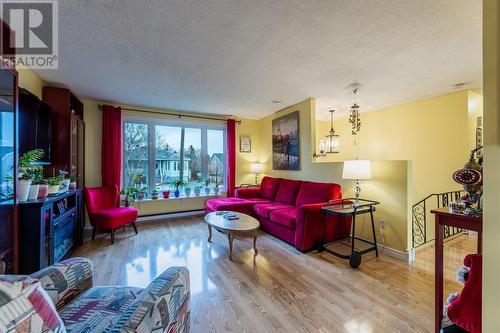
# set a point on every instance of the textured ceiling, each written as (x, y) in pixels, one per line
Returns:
(234, 57)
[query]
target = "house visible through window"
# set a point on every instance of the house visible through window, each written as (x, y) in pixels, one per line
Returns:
(162, 152)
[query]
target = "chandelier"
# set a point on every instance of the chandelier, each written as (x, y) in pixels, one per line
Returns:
(331, 143)
(354, 118)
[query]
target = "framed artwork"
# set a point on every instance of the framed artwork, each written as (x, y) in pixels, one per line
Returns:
(245, 144)
(286, 145)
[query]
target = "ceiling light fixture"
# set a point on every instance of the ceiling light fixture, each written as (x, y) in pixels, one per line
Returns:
(331, 143)
(354, 118)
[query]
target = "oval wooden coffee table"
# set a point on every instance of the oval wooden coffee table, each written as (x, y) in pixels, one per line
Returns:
(244, 226)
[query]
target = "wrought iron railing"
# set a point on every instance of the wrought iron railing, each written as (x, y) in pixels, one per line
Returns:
(423, 222)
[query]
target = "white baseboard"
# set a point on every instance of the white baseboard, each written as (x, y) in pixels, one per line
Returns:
(169, 216)
(396, 254)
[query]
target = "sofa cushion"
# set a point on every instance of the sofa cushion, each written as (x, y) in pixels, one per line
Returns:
(26, 307)
(233, 204)
(311, 193)
(269, 187)
(98, 309)
(287, 192)
(265, 210)
(286, 217)
(114, 217)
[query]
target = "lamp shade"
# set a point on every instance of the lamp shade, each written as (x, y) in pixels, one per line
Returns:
(256, 167)
(357, 169)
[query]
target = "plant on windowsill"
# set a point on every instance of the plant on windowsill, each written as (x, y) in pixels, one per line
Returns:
(65, 181)
(187, 191)
(138, 178)
(125, 198)
(154, 193)
(35, 184)
(177, 184)
(197, 191)
(72, 182)
(207, 183)
(43, 189)
(141, 193)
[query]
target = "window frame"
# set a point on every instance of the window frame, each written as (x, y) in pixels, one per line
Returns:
(183, 124)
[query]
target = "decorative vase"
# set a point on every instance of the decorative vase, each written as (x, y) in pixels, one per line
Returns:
(154, 196)
(64, 186)
(177, 193)
(216, 191)
(54, 189)
(207, 190)
(23, 189)
(197, 191)
(33, 194)
(187, 191)
(43, 191)
(166, 194)
(72, 185)
(140, 196)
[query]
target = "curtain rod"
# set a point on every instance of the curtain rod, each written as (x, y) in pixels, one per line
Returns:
(173, 114)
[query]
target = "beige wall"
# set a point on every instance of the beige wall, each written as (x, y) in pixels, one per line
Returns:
(389, 184)
(491, 232)
(433, 133)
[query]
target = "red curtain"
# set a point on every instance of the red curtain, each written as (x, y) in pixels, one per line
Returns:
(111, 145)
(231, 157)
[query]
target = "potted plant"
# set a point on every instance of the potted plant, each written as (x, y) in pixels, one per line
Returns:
(154, 194)
(124, 200)
(72, 183)
(207, 183)
(43, 189)
(177, 184)
(35, 185)
(187, 191)
(197, 191)
(141, 193)
(54, 184)
(166, 194)
(27, 172)
(138, 178)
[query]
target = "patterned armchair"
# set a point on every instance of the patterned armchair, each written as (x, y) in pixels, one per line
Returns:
(162, 307)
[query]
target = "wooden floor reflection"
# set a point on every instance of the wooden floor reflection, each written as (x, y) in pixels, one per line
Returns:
(282, 290)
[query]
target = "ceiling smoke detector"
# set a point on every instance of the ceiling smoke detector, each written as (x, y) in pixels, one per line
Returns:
(276, 101)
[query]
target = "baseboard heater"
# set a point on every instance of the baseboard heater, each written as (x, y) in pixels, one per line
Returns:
(169, 216)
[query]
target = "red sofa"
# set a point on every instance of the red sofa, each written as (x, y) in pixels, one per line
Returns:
(289, 210)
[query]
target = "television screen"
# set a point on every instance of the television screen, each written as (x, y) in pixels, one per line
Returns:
(34, 125)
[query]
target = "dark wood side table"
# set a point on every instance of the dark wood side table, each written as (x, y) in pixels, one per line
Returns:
(344, 208)
(443, 218)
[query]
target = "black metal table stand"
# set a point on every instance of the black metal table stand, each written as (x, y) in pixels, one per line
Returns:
(346, 208)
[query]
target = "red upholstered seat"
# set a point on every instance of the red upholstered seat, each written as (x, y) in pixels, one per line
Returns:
(265, 209)
(233, 204)
(115, 217)
(104, 213)
(286, 217)
(287, 192)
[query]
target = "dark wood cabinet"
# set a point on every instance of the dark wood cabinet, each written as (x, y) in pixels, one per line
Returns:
(49, 230)
(8, 156)
(68, 132)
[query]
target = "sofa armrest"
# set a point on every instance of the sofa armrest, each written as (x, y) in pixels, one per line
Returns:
(65, 280)
(162, 307)
(247, 193)
(310, 226)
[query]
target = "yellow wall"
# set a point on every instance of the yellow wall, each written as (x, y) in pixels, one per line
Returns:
(491, 231)
(389, 184)
(433, 133)
(29, 80)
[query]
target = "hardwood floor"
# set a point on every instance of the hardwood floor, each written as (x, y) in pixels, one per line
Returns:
(282, 290)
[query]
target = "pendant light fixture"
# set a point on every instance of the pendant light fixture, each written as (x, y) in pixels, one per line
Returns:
(331, 143)
(354, 118)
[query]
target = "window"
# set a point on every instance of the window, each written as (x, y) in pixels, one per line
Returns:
(164, 152)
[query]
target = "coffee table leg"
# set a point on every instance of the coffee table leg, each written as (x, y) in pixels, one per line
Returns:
(209, 232)
(255, 243)
(230, 239)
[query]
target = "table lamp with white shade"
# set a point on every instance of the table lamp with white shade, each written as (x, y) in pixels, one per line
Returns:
(256, 168)
(356, 170)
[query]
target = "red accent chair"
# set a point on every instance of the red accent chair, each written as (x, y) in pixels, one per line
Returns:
(104, 211)
(289, 210)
